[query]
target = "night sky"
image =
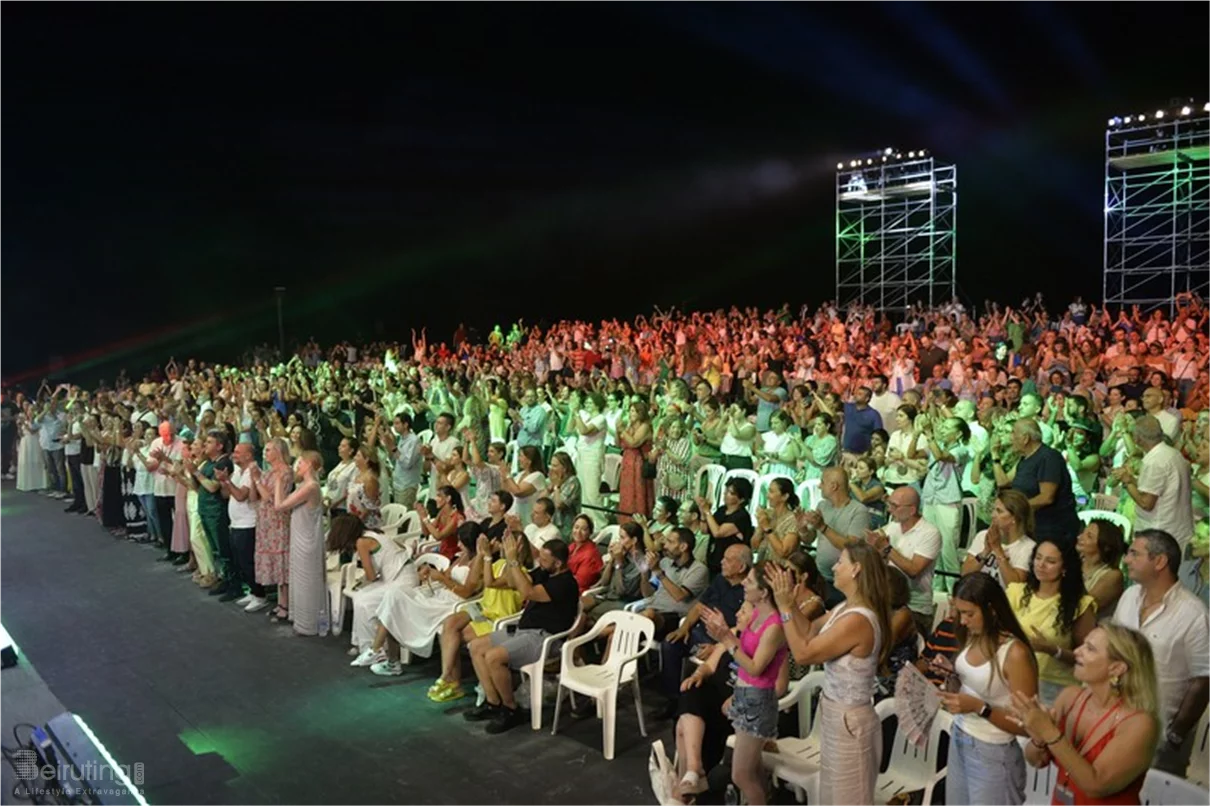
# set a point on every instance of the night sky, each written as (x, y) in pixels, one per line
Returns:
(167, 165)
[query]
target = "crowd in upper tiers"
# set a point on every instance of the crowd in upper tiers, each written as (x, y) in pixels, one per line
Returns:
(1011, 500)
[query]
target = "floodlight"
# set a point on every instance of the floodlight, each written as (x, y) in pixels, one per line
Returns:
(1185, 110)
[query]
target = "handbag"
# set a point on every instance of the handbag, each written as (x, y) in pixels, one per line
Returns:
(649, 469)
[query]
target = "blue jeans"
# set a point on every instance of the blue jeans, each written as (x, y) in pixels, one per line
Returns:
(153, 516)
(981, 772)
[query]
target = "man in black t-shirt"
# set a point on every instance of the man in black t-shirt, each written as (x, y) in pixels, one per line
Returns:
(552, 605)
(1043, 477)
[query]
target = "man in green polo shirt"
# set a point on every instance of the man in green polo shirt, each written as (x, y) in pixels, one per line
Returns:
(212, 509)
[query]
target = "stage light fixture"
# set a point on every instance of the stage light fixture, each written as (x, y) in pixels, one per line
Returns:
(1142, 118)
(1128, 119)
(1185, 110)
(884, 159)
(840, 166)
(1159, 114)
(1206, 107)
(888, 152)
(911, 155)
(1111, 122)
(853, 163)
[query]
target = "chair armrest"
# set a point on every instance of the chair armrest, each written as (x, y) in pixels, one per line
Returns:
(507, 620)
(468, 602)
(637, 606)
(593, 591)
(790, 698)
(932, 784)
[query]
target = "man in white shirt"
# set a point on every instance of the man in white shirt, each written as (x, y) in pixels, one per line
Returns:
(1163, 492)
(165, 452)
(911, 544)
(241, 509)
(885, 402)
(1153, 404)
(73, 445)
(437, 452)
(542, 530)
(1175, 623)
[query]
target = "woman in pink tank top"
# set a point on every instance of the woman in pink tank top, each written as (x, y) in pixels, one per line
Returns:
(759, 653)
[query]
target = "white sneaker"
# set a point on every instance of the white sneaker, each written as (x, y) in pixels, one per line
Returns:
(256, 604)
(243, 600)
(369, 657)
(388, 668)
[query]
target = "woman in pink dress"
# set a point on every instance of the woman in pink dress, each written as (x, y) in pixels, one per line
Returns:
(273, 527)
(636, 494)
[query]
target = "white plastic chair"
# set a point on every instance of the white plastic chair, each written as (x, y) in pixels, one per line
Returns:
(796, 762)
(713, 475)
(632, 635)
(1105, 502)
(534, 672)
(425, 436)
(339, 581)
(1165, 789)
(1039, 782)
(912, 766)
(611, 472)
(392, 516)
(606, 537)
(1199, 762)
(761, 493)
(409, 526)
(809, 494)
(941, 605)
(1089, 515)
(739, 473)
(970, 516)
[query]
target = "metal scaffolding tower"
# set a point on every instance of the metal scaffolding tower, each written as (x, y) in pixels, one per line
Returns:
(1157, 207)
(895, 230)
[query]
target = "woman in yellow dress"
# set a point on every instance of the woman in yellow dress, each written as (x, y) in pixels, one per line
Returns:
(1056, 613)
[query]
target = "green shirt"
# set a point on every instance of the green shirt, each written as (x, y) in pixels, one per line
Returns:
(212, 504)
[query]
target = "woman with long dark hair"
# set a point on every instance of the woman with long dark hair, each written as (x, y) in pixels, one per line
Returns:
(444, 527)
(636, 492)
(1056, 613)
(776, 534)
(994, 663)
(1101, 546)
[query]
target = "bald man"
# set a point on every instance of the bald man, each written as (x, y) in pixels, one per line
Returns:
(911, 544)
(838, 519)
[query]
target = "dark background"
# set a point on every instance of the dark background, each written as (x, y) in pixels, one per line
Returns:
(401, 164)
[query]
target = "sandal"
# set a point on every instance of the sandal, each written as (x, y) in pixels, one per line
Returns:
(278, 615)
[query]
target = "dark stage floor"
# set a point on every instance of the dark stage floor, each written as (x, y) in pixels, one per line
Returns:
(222, 707)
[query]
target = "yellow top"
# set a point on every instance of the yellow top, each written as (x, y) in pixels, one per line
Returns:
(499, 602)
(1040, 615)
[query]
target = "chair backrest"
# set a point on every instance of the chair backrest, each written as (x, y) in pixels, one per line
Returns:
(1106, 502)
(803, 693)
(392, 517)
(632, 635)
(1040, 784)
(915, 761)
(512, 456)
(425, 436)
(739, 473)
(1089, 515)
(438, 561)
(611, 472)
(761, 493)
(809, 494)
(970, 521)
(410, 524)
(711, 475)
(1165, 789)
(606, 536)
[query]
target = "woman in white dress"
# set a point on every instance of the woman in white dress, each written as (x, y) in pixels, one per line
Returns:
(590, 426)
(308, 582)
(410, 618)
(31, 464)
(383, 561)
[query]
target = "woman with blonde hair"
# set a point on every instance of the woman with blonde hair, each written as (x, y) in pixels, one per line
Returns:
(1108, 725)
(1004, 549)
(851, 641)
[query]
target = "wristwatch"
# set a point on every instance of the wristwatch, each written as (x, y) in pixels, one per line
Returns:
(1174, 738)
(986, 711)
(785, 617)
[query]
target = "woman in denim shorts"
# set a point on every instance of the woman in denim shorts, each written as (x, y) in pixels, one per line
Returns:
(760, 654)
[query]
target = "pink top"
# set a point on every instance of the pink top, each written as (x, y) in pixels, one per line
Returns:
(749, 640)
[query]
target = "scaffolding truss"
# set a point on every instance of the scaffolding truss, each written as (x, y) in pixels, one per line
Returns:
(1157, 208)
(895, 232)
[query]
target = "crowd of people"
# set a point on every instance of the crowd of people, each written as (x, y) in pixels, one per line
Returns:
(1054, 638)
